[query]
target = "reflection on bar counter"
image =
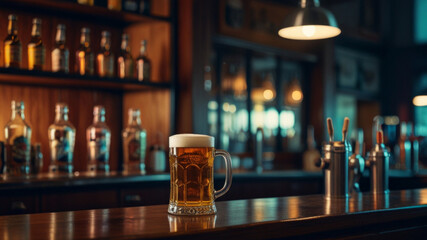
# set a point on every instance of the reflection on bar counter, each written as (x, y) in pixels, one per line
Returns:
(98, 137)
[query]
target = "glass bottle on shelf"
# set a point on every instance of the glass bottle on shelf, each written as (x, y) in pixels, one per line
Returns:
(143, 64)
(115, 5)
(86, 2)
(98, 137)
(12, 45)
(60, 54)
(18, 140)
(125, 61)
(105, 59)
(62, 135)
(36, 49)
(84, 55)
(130, 5)
(134, 144)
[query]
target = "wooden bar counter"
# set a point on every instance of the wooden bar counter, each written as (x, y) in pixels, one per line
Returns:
(398, 213)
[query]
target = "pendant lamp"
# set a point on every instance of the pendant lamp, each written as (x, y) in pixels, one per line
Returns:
(310, 22)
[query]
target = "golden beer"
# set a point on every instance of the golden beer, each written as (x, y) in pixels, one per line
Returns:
(191, 158)
(191, 176)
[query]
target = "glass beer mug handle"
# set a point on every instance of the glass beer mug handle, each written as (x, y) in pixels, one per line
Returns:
(226, 156)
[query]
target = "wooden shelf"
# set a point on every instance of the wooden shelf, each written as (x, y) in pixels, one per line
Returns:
(50, 79)
(79, 11)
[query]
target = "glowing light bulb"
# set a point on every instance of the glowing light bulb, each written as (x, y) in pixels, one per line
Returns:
(297, 95)
(420, 100)
(309, 31)
(268, 94)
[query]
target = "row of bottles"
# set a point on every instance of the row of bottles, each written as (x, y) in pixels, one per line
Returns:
(62, 135)
(104, 66)
(135, 6)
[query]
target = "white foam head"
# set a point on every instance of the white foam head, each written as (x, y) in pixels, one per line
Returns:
(191, 140)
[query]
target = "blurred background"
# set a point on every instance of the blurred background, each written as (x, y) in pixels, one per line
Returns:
(246, 77)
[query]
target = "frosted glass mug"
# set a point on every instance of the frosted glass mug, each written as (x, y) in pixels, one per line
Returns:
(191, 158)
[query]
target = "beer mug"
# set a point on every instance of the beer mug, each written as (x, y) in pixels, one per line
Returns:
(191, 158)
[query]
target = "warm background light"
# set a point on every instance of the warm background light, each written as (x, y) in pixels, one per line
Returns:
(420, 101)
(297, 95)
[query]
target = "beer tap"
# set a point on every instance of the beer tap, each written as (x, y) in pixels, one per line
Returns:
(356, 164)
(335, 162)
(378, 161)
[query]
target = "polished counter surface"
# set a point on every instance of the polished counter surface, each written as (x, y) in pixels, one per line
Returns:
(363, 215)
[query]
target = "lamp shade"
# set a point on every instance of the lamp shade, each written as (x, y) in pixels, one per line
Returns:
(310, 22)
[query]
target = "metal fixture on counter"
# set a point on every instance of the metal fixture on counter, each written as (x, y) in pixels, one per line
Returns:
(310, 22)
(335, 162)
(378, 161)
(356, 164)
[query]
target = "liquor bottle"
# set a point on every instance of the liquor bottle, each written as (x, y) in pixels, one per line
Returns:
(84, 55)
(143, 64)
(18, 139)
(86, 2)
(36, 49)
(115, 5)
(98, 137)
(60, 55)
(311, 154)
(12, 45)
(134, 144)
(125, 61)
(105, 59)
(130, 5)
(62, 135)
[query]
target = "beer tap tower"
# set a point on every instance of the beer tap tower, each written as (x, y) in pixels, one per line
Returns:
(378, 161)
(335, 162)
